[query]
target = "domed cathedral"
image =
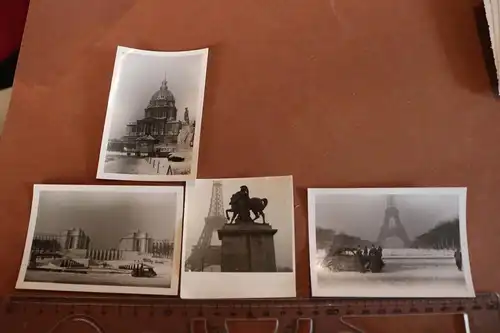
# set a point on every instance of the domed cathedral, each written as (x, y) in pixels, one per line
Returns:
(160, 119)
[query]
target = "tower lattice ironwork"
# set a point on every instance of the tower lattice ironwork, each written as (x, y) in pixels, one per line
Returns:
(397, 230)
(204, 253)
(217, 201)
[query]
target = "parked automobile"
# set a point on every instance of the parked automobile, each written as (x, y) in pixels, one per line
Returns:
(143, 271)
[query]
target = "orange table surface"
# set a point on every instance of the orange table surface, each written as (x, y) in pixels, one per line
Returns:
(338, 93)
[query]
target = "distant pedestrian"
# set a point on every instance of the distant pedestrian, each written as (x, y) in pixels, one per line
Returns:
(458, 259)
(379, 255)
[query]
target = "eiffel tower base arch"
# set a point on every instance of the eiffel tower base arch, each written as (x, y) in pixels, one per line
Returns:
(247, 248)
(396, 231)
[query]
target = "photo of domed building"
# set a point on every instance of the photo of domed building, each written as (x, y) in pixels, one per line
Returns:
(153, 118)
(159, 136)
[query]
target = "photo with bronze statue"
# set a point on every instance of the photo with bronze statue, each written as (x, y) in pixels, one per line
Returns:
(153, 119)
(389, 242)
(121, 239)
(235, 229)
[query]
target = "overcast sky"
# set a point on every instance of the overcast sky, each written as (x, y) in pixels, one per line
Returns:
(141, 76)
(279, 211)
(107, 216)
(363, 215)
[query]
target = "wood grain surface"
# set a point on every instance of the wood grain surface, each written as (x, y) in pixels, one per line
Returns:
(338, 93)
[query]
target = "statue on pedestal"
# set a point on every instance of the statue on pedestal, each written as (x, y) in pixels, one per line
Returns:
(241, 206)
(186, 133)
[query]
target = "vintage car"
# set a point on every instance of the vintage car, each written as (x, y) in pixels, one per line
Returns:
(143, 271)
(169, 154)
(164, 151)
(350, 260)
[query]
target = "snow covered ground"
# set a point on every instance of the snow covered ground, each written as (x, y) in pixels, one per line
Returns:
(408, 273)
(144, 166)
(407, 253)
(417, 253)
(106, 276)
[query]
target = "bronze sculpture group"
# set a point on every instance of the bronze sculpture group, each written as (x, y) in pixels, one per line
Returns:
(242, 204)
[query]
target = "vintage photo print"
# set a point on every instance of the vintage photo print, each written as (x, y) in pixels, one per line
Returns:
(113, 239)
(153, 120)
(238, 239)
(389, 242)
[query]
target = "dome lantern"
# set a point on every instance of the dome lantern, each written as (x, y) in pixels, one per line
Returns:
(163, 96)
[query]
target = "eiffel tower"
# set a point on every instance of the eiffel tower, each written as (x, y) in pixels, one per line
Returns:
(203, 253)
(397, 229)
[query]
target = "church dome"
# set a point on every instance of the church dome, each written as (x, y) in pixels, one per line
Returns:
(162, 96)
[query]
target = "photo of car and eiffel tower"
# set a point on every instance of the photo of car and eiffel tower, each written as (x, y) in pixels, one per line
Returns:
(392, 242)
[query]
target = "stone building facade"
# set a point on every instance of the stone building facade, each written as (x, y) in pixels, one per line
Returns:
(76, 244)
(142, 243)
(104, 254)
(71, 239)
(75, 239)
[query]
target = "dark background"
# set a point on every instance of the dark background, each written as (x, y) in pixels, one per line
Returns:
(12, 19)
(339, 93)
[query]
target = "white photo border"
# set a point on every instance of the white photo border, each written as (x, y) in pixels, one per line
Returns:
(173, 290)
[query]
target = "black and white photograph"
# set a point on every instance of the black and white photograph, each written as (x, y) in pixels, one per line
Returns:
(239, 232)
(389, 242)
(113, 239)
(153, 118)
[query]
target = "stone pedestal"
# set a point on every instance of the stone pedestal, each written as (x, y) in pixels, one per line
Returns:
(247, 247)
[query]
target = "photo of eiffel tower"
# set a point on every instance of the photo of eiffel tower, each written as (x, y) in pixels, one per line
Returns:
(204, 254)
(392, 226)
(399, 242)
